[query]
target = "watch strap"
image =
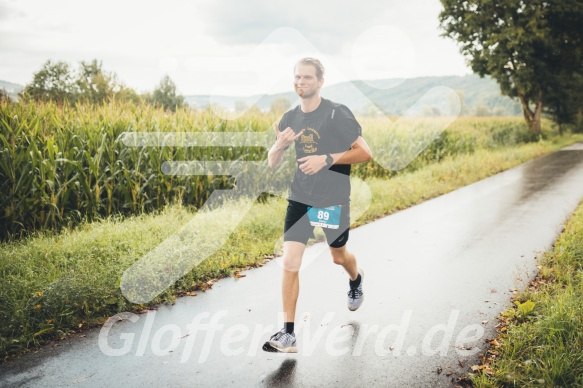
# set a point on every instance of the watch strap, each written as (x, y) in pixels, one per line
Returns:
(329, 160)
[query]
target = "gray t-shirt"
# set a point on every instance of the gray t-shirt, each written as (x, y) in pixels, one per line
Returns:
(330, 129)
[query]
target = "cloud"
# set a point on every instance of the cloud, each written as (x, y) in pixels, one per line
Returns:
(9, 12)
(327, 24)
(131, 37)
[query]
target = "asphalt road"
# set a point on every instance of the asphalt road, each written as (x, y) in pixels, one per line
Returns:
(436, 277)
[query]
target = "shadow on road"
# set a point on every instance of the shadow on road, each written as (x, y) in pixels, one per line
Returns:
(284, 376)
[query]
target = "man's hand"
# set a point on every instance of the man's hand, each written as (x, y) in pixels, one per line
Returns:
(310, 165)
(285, 138)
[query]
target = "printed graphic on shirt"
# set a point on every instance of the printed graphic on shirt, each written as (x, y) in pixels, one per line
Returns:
(309, 140)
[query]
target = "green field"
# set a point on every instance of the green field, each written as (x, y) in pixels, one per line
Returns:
(78, 208)
(60, 166)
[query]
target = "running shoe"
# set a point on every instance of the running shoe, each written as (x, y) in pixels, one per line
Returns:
(281, 342)
(355, 295)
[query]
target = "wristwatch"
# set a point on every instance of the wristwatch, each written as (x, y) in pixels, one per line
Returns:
(329, 160)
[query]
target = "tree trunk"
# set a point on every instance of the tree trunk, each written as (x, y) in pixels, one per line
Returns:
(532, 118)
(535, 125)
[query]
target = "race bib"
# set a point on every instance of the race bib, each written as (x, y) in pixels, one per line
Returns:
(325, 217)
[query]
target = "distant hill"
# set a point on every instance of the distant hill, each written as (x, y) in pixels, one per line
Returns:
(11, 89)
(479, 95)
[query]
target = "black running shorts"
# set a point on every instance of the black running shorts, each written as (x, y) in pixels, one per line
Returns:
(297, 227)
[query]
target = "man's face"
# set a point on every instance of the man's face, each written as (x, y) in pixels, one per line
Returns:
(306, 83)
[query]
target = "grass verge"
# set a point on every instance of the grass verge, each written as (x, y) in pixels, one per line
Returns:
(55, 285)
(540, 342)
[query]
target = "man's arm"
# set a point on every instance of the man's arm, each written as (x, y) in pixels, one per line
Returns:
(284, 139)
(275, 156)
(359, 153)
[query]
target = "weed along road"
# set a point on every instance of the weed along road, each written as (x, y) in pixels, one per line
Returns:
(436, 277)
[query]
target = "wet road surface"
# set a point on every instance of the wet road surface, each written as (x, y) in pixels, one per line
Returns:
(436, 277)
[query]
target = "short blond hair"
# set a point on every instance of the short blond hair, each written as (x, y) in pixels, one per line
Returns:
(314, 62)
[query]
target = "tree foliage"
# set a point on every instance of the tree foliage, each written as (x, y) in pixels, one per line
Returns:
(52, 82)
(522, 45)
(165, 95)
(93, 84)
(4, 96)
(565, 100)
(58, 82)
(280, 105)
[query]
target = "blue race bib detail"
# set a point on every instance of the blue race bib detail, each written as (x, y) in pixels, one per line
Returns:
(325, 217)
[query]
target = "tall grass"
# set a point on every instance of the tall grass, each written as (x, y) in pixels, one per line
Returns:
(60, 165)
(545, 347)
(53, 284)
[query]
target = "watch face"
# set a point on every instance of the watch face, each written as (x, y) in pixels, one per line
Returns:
(329, 160)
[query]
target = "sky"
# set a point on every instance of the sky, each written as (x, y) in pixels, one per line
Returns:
(227, 47)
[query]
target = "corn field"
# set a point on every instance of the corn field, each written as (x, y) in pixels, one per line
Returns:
(61, 165)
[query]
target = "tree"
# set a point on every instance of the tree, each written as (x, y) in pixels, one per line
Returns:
(4, 96)
(430, 111)
(57, 82)
(481, 110)
(370, 110)
(51, 83)
(280, 105)
(565, 56)
(452, 103)
(165, 95)
(511, 41)
(241, 106)
(93, 84)
(127, 94)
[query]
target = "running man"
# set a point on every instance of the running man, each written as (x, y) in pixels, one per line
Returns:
(328, 139)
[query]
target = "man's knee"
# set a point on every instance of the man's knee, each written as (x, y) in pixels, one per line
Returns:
(292, 255)
(291, 262)
(339, 255)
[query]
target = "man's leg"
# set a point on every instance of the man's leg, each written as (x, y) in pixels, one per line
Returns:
(337, 239)
(346, 259)
(297, 231)
(290, 285)
(285, 340)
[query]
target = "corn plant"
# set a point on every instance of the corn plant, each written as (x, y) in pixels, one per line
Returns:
(60, 165)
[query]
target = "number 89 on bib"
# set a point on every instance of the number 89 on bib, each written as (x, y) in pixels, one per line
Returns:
(326, 217)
